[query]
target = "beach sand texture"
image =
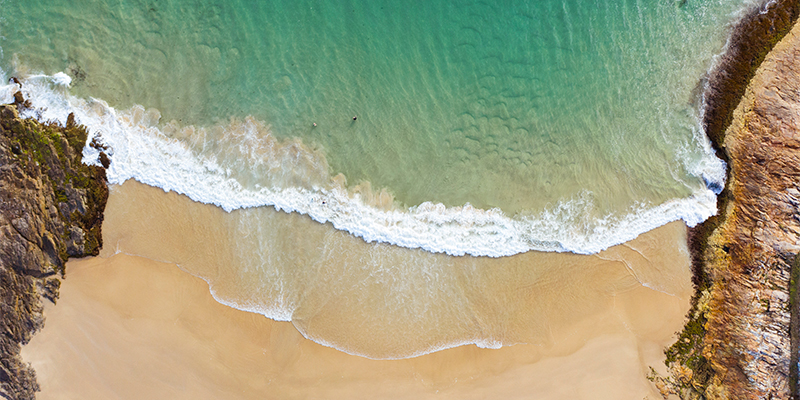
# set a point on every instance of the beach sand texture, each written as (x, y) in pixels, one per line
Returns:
(128, 327)
(540, 152)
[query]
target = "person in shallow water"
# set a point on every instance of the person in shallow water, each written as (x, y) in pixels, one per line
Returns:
(355, 118)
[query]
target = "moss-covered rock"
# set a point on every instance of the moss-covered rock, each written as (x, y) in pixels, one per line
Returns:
(51, 208)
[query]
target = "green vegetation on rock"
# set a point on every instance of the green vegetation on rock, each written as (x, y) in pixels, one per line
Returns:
(51, 208)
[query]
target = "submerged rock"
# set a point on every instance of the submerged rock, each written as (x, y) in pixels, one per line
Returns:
(51, 208)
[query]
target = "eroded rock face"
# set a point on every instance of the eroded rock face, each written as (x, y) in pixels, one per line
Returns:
(741, 339)
(51, 208)
(750, 251)
(749, 256)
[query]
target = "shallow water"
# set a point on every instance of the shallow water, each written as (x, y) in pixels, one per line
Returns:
(482, 130)
(515, 106)
(576, 123)
(383, 301)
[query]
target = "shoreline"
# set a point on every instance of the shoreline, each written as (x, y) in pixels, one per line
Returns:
(538, 281)
(749, 42)
(51, 210)
(698, 362)
(724, 82)
(603, 353)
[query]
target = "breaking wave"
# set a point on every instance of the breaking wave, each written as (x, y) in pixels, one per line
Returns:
(242, 164)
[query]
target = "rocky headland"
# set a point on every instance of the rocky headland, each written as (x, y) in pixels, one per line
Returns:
(51, 208)
(740, 340)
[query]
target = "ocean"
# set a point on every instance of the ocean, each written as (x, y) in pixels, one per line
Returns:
(392, 168)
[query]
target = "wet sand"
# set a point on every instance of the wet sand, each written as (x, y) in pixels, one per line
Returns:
(128, 327)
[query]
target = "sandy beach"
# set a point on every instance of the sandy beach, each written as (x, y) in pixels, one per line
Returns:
(129, 327)
(453, 171)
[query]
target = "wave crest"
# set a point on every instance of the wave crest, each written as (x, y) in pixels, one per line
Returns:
(242, 164)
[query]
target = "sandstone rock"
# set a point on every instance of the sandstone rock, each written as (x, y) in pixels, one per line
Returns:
(744, 258)
(748, 328)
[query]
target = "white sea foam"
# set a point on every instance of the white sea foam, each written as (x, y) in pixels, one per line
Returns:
(139, 150)
(481, 343)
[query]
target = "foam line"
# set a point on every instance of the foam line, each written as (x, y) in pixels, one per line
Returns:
(138, 150)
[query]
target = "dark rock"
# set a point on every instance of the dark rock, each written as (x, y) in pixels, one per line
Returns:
(71, 120)
(104, 161)
(48, 288)
(18, 99)
(51, 208)
(75, 242)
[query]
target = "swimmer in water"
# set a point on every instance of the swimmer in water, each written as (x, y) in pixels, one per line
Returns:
(355, 118)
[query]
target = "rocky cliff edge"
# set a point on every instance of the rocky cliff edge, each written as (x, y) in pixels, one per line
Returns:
(740, 341)
(51, 208)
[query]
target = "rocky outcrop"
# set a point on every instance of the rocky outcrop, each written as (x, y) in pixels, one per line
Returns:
(750, 40)
(749, 257)
(51, 208)
(738, 342)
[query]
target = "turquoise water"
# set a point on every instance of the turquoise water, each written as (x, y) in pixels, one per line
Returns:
(516, 105)
(482, 129)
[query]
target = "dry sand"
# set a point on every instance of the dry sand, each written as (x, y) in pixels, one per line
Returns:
(127, 327)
